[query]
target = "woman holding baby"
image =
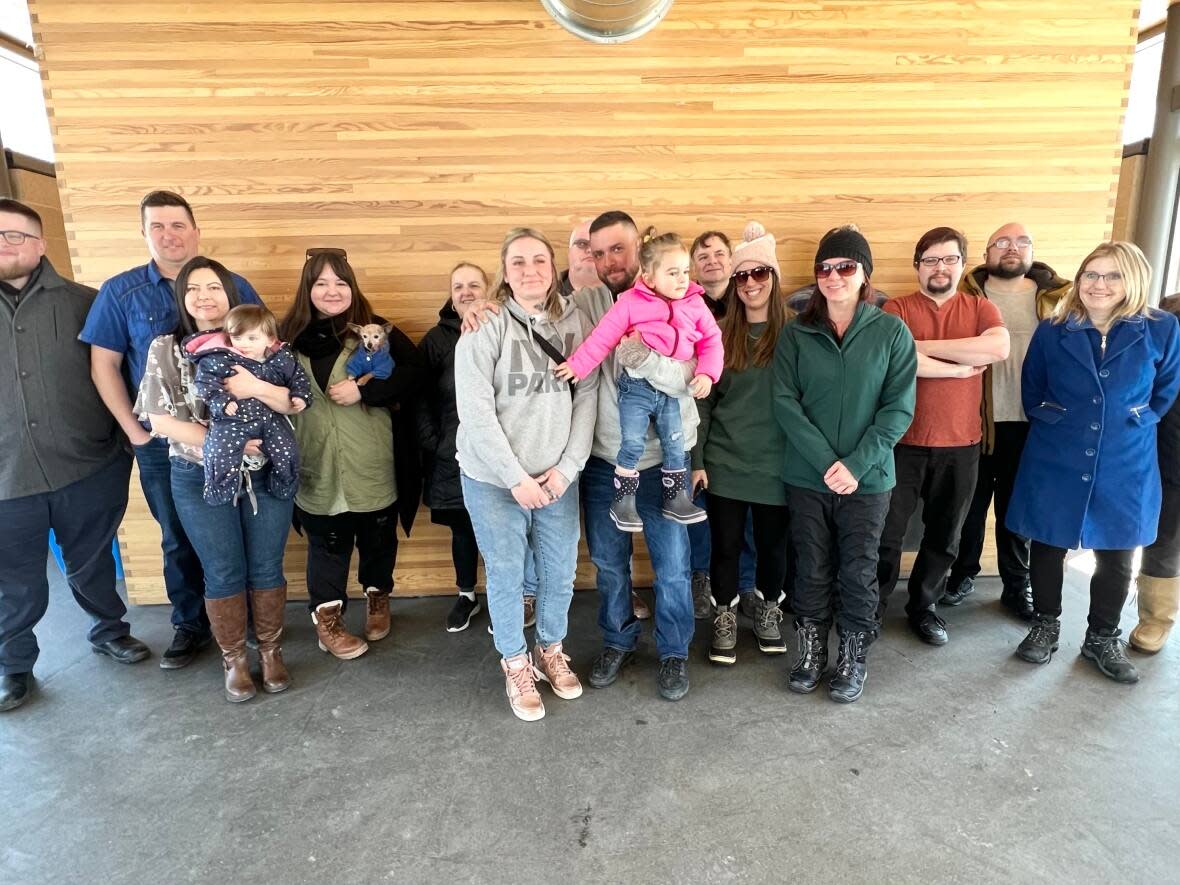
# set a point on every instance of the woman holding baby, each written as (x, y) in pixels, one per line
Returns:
(360, 469)
(240, 545)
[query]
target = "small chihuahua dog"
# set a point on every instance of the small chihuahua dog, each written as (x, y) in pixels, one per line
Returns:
(372, 359)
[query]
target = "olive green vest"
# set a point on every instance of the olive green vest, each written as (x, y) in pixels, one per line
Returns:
(345, 452)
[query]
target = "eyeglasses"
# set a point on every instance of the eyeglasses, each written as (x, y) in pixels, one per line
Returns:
(17, 237)
(844, 268)
(757, 274)
(584, 245)
(327, 250)
(1008, 242)
(934, 260)
(1109, 278)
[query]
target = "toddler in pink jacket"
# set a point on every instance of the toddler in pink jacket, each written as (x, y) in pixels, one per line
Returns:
(666, 308)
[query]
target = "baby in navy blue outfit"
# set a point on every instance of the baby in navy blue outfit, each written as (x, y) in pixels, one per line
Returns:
(250, 339)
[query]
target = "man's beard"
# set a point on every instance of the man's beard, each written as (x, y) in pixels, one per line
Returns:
(1010, 273)
(939, 288)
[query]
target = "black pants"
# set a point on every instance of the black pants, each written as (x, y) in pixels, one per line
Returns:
(464, 550)
(996, 477)
(84, 516)
(330, 541)
(1108, 586)
(727, 531)
(1162, 559)
(943, 478)
(836, 538)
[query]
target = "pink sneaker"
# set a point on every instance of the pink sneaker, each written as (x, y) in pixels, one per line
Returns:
(520, 683)
(555, 669)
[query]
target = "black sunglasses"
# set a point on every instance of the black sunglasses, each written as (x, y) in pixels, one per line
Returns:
(757, 274)
(844, 269)
(326, 250)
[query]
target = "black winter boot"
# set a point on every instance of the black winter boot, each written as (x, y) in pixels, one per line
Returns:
(1109, 654)
(678, 505)
(849, 679)
(622, 508)
(1040, 643)
(811, 637)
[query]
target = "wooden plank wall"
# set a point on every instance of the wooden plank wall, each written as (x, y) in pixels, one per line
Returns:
(415, 133)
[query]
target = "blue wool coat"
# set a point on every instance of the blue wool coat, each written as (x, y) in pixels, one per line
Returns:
(1089, 476)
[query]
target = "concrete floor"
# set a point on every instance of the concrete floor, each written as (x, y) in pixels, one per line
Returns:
(959, 764)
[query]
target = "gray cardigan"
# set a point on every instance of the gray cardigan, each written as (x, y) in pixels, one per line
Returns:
(54, 428)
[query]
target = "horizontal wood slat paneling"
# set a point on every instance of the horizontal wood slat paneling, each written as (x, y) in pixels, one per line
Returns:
(414, 134)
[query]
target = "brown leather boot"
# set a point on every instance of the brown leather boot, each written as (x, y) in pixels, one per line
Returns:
(328, 618)
(269, 607)
(227, 618)
(1159, 602)
(377, 614)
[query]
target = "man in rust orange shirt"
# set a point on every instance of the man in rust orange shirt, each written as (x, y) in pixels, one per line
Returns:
(957, 335)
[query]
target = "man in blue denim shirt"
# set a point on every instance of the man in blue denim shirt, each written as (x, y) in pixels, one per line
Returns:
(131, 310)
(614, 242)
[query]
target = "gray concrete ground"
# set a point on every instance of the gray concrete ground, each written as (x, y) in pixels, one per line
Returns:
(959, 764)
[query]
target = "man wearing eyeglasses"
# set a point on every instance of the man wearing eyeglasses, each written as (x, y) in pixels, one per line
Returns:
(957, 334)
(64, 467)
(579, 272)
(1025, 291)
(131, 310)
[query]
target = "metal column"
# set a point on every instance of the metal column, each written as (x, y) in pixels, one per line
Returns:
(1156, 220)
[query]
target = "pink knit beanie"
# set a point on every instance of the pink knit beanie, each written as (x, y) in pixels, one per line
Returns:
(755, 250)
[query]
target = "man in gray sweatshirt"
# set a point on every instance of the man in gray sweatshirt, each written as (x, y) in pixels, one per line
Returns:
(614, 242)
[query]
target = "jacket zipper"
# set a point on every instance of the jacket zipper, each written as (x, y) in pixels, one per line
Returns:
(1102, 348)
(1045, 404)
(675, 331)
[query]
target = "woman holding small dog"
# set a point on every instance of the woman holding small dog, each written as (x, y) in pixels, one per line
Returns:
(360, 471)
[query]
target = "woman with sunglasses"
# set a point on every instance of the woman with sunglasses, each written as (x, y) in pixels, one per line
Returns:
(361, 469)
(845, 376)
(1098, 377)
(739, 450)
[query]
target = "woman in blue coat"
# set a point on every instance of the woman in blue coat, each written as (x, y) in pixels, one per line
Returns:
(1098, 377)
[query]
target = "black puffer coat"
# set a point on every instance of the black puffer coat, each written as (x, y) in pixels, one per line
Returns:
(438, 417)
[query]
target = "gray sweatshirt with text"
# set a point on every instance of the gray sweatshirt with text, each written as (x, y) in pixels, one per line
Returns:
(516, 419)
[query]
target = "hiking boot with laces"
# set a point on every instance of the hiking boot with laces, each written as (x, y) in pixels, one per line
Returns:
(520, 683)
(723, 649)
(812, 660)
(767, 620)
(328, 618)
(1109, 654)
(606, 667)
(849, 679)
(672, 681)
(702, 593)
(555, 669)
(1040, 643)
(377, 623)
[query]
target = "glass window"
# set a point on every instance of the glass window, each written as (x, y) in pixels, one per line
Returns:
(14, 21)
(24, 124)
(1145, 80)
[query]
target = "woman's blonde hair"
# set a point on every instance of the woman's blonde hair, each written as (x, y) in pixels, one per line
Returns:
(475, 267)
(1132, 264)
(501, 291)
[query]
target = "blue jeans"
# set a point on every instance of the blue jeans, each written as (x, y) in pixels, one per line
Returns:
(639, 404)
(508, 535)
(610, 551)
(240, 550)
(84, 516)
(701, 548)
(184, 580)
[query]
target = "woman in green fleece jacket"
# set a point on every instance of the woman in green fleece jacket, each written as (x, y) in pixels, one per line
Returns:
(844, 394)
(739, 450)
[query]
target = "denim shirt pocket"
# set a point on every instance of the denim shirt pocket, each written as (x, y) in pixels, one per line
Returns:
(147, 325)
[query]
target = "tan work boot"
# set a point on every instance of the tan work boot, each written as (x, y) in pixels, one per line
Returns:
(1159, 600)
(520, 683)
(227, 620)
(554, 668)
(269, 607)
(328, 618)
(377, 614)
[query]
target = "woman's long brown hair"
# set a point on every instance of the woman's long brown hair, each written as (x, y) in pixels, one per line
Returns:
(302, 314)
(735, 327)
